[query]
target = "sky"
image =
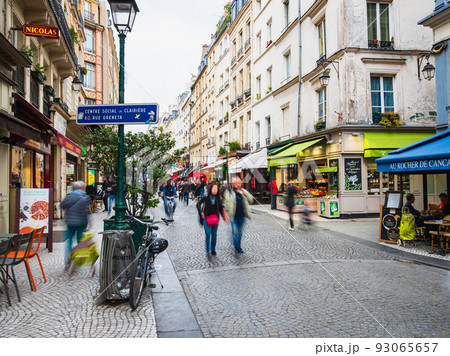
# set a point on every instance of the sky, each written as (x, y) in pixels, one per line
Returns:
(164, 49)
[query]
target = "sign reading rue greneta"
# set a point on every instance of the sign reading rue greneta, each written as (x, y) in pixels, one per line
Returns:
(129, 114)
(40, 31)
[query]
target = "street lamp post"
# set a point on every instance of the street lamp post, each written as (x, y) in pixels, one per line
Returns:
(123, 13)
(227, 147)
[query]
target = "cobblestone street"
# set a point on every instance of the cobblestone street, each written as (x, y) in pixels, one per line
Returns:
(308, 283)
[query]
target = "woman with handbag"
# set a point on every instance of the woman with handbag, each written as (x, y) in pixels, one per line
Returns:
(209, 207)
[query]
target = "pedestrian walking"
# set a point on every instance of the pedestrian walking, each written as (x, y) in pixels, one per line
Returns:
(169, 191)
(76, 205)
(111, 191)
(273, 192)
(104, 195)
(209, 207)
(237, 204)
(290, 203)
(185, 190)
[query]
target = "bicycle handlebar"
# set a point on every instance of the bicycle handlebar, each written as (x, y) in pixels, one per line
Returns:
(151, 225)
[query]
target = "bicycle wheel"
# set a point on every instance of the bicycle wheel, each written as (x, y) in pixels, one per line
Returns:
(137, 279)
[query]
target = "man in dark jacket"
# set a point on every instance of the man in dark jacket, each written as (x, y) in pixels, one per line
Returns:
(77, 212)
(104, 195)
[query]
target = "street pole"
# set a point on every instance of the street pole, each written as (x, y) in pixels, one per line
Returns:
(228, 177)
(120, 222)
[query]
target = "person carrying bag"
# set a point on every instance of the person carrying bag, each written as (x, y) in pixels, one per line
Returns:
(209, 207)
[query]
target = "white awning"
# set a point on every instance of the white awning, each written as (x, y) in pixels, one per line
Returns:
(254, 160)
(235, 167)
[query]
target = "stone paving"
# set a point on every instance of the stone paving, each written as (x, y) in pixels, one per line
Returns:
(68, 306)
(309, 283)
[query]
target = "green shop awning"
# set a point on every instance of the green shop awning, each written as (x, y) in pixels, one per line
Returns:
(327, 170)
(379, 144)
(288, 154)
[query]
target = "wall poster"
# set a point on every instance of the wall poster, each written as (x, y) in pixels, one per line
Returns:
(352, 174)
(34, 209)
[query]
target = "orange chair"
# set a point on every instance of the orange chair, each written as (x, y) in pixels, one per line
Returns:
(30, 253)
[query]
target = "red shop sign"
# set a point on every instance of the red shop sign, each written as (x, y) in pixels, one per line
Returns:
(69, 144)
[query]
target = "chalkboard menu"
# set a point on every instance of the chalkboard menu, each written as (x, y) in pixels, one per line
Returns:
(352, 174)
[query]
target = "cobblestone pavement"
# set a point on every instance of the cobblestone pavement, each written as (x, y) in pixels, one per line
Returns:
(67, 306)
(306, 284)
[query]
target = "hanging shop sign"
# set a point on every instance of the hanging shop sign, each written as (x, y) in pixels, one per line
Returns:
(68, 144)
(40, 31)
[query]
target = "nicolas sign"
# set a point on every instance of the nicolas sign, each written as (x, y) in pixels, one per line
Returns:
(40, 31)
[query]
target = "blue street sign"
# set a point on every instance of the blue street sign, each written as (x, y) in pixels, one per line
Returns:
(129, 114)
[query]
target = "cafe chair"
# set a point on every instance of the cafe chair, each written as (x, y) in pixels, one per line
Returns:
(9, 251)
(438, 235)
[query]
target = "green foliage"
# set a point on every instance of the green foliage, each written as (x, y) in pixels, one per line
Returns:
(27, 50)
(74, 35)
(147, 161)
(221, 150)
(234, 145)
(38, 68)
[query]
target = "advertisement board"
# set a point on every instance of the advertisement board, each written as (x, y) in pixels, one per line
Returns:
(34, 209)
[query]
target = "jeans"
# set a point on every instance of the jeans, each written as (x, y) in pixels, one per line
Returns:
(273, 201)
(291, 216)
(211, 236)
(71, 231)
(174, 201)
(237, 226)
(186, 198)
(111, 199)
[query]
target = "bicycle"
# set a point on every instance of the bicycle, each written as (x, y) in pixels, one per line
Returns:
(143, 266)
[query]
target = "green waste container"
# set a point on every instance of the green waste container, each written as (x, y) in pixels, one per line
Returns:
(137, 228)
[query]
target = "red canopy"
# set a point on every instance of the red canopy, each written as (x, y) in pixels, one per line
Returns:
(174, 177)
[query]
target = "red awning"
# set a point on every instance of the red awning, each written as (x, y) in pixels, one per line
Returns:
(68, 143)
(174, 177)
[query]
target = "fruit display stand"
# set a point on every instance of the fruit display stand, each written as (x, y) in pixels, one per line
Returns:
(312, 202)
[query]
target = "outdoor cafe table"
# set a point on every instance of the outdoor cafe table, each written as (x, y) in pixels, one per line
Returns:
(437, 223)
(6, 236)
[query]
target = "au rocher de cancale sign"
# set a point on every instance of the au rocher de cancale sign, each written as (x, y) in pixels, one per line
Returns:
(129, 114)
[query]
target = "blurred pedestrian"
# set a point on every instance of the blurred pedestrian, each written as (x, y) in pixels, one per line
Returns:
(77, 213)
(290, 203)
(237, 204)
(209, 207)
(111, 191)
(185, 190)
(104, 195)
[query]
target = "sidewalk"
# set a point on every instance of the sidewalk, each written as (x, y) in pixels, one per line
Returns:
(366, 229)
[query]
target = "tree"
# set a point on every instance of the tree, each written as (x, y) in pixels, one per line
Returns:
(147, 161)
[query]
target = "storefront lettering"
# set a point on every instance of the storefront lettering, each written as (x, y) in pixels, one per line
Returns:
(443, 163)
(41, 31)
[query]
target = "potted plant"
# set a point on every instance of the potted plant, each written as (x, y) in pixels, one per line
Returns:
(220, 122)
(389, 119)
(74, 35)
(27, 52)
(319, 125)
(269, 89)
(258, 96)
(84, 70)
(38, 74)
(226, 114)
(50, 90)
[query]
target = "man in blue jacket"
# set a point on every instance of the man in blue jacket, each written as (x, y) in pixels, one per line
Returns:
(169, 191)
(77, 213)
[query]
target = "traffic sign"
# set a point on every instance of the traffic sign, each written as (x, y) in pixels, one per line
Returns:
(129, 114)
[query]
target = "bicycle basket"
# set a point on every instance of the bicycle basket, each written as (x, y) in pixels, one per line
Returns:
(159, 245)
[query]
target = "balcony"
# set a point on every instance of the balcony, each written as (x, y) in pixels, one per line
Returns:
(240, 52)
(257, 145)
(247, 93)
(34, 92)
(89, 16)
(232, 104)
(227, 83)
(220, 89)
(233, 61)
(239, 99)
(247, 44)
(19, 78)
(267, 141)
(383, 45)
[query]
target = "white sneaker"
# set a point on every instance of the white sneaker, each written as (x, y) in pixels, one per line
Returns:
(291, 229)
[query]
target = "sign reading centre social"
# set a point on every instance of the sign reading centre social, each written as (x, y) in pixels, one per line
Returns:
(128, 114)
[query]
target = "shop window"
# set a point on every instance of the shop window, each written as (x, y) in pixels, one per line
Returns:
(21, 168)
(39, 171)
(373, 177)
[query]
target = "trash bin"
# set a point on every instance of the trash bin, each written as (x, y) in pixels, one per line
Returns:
(117, 254)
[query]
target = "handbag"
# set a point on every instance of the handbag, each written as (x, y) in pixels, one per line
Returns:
(212, 219)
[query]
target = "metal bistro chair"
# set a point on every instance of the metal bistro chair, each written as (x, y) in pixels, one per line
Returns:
(14, 245)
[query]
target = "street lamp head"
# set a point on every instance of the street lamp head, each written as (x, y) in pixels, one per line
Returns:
(428, 71)
(227, 146)
(324, 78)
(123, 13)
(77, 84)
